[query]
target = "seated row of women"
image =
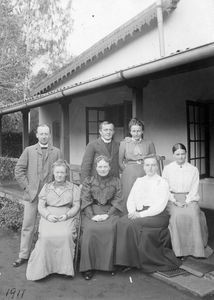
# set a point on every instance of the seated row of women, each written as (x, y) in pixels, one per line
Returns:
(140, 239)
(111, 239)
(187, 226)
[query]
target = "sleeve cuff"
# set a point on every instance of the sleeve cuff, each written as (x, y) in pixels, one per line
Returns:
(113, 211)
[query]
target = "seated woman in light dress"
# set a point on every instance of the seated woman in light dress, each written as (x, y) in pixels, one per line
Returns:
(131, 153)
(187, 225)
(58, 205)
(101, 205)
(143, 238)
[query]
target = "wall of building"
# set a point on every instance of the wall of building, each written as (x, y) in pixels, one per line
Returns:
(50, 113)
(78, 116)
(164, 111)
(164, 108)
(183, 29)
(125, 57)
(190, 25)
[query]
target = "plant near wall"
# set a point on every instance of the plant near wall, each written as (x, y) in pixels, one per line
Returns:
(11, 214)
(7, 166)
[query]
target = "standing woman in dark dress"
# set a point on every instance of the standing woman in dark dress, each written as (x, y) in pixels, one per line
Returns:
(101, 206)
(131, 153)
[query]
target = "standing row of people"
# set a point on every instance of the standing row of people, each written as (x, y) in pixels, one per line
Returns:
(121, 225)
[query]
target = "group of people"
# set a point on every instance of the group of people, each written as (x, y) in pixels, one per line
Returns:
(130, 215)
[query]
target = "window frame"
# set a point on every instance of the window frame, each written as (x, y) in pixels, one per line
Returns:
(198, 126)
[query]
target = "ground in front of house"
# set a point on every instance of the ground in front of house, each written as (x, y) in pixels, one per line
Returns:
(132, 285)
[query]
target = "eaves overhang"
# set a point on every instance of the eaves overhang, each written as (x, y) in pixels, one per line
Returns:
(107, 45)
(184, 61)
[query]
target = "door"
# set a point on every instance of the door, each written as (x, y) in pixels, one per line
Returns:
(198, 136)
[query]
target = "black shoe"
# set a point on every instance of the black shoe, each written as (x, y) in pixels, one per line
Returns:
(88, 274)
(125, 269)
(19, 262)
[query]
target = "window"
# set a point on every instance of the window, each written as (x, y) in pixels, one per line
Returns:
(117, 114)
(198, 136)
(94, 116)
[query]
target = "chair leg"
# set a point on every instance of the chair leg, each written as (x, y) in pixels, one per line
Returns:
(77, 247)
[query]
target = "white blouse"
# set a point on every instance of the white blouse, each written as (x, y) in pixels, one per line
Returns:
(148, 191)
(182, 179)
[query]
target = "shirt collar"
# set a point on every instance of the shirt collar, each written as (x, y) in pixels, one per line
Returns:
(154, 177)
(43, 146)
(181, 166)
(106, 141)
(137, 141)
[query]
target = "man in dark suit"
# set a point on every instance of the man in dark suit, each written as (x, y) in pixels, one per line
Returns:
(104, 145)
(32, 171)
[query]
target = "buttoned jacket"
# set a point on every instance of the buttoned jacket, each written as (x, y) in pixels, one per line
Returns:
(95, 149)
(32, 171)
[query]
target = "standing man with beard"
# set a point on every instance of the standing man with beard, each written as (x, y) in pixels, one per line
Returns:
(32, 171)
(104, 145)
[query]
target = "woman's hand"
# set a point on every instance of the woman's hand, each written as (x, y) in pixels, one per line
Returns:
(134, 215)
(191, 203)
(62, 218)
(179, 204)
(123, 166)
(104, 217)
(100, 218)
(52, 218)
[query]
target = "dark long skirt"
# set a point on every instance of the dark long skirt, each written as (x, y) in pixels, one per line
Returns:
(144, 243)
(98, 244)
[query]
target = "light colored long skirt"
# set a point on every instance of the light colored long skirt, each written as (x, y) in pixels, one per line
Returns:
(54, 250)
(188, 229)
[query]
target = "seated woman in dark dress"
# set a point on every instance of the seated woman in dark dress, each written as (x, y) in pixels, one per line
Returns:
(101, 207)
(143, 238)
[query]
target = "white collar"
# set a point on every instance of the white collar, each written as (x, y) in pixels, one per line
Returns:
(43, 146)
(137, 140)
(106, 141)
(181, 166)
(154, 177)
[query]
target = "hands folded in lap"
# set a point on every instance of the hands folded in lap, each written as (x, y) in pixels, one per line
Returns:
(54, 219)
(100, 218)
(179, 204)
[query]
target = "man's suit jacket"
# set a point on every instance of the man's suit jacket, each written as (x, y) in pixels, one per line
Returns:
(32, 171)
(95, 149)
